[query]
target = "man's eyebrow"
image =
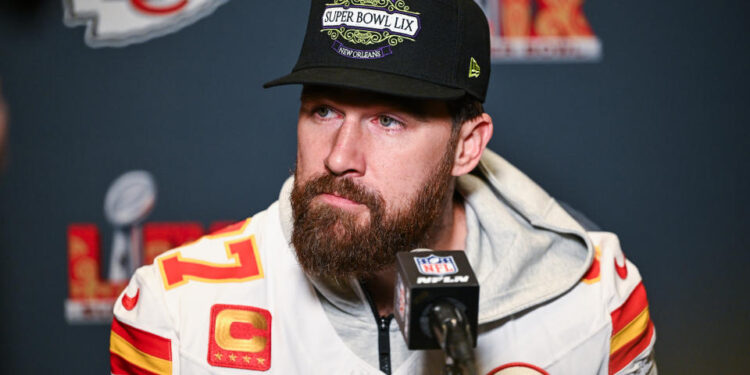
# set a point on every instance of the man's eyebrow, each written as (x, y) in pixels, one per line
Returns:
(419, 109)
(306, 95)
(306, 99)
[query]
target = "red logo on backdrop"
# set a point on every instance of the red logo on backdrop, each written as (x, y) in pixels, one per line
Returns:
(117, 23)
(540, 30)
(240, 337)
(127, 204)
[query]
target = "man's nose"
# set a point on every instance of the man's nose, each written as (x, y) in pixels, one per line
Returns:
(346, 156)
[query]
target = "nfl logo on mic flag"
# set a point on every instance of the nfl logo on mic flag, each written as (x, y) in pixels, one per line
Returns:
(435, 265)
(423, 280)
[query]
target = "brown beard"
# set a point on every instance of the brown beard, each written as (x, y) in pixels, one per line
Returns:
(330, 242)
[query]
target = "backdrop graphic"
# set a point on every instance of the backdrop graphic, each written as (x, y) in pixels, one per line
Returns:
(122, 22)
(540, 31)
(128, 202)
(521, 30)
(650, 142)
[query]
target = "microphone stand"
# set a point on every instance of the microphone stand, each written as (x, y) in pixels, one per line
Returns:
(450, 327)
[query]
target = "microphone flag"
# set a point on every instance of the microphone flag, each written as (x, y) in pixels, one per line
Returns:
(424, 278)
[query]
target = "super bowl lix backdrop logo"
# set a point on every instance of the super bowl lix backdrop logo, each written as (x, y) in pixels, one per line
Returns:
(540, 30)
(127, 204)
(117, 23)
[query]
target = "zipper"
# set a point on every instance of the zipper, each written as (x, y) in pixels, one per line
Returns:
(384, 340)
(384, 343)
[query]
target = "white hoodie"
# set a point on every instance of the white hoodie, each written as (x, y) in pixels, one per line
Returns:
(554, 299)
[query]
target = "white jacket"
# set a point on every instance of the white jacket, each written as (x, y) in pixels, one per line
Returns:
(554, 299)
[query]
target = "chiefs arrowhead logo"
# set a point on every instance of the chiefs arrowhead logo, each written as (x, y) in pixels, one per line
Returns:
(129, 302)
(117, 23)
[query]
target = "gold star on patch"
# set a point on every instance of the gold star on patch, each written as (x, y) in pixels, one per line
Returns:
(261, 360)
(218, 356)
(246, 358)
(232, 357)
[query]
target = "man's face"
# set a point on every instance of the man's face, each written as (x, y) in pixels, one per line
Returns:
(372, 177)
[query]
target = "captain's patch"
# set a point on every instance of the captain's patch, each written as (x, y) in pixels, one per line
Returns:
(240, 337)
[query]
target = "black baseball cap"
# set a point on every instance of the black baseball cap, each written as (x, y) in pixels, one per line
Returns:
(427, 49)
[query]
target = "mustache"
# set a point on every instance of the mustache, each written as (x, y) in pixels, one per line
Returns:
(342, 187)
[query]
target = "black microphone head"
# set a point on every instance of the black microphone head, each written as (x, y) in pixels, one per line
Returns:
(426, 277)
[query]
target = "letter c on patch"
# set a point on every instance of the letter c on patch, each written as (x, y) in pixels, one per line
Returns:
(223, 329)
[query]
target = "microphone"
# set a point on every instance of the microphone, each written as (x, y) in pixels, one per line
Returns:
(436, 305)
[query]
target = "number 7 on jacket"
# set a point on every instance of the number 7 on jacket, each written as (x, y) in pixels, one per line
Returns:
(244, 265)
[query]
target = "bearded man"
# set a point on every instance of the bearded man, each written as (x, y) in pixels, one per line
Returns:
(391, 156)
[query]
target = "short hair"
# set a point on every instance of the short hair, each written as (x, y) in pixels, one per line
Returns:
(464, 109)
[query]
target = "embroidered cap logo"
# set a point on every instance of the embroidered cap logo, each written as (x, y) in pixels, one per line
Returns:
(375, 25)
(473, 68)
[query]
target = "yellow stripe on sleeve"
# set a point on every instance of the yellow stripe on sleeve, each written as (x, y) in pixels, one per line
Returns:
(634, 329)
(126, 350)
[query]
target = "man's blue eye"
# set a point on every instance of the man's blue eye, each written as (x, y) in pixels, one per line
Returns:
(323, 111)
(387, 121)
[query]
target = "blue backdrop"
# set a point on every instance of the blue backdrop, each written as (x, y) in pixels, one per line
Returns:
(651, 143)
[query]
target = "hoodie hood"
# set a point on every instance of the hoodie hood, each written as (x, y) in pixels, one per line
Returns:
(524, 247)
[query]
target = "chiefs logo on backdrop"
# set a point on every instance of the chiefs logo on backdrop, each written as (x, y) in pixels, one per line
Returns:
(540, 30)
(117, 23)
(127, 204)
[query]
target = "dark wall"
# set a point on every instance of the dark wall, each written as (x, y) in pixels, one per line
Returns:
(651, 143)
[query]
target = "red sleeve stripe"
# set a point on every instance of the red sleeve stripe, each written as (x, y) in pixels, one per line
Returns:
(628, 352)
(633, 306)
(143, 341)
(120, 366)
(632, 330)
(118, 347)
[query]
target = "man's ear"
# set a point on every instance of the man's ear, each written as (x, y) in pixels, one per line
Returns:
(472, 140)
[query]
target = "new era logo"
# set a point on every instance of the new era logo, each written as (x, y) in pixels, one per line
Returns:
(473, 68)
